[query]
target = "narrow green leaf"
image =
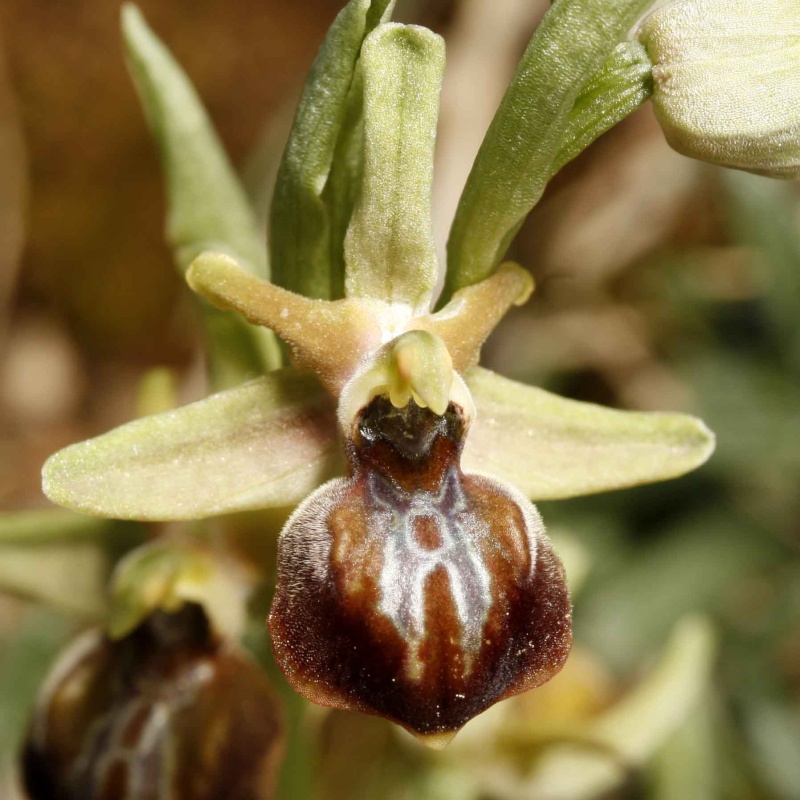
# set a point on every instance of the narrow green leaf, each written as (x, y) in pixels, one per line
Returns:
(208, 209)
(623, 84)
(524, 140)
(207, 206)
(299, 223)
(389, 249)
(266, 443)
(550, 447)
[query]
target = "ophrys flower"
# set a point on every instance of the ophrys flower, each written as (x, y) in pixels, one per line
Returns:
(421, 586)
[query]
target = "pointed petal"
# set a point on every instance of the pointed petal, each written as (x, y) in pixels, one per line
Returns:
(207, 205)
(299, 224)
(550, 447)
(468, 319)
(328, 337)
(266, 443)
(389, 248)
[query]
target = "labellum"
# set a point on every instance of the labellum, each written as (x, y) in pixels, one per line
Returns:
(412, 590)
(409, 589)
(166, 712)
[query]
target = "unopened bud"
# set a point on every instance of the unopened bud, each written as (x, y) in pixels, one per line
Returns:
(726, 81)
(166, 711)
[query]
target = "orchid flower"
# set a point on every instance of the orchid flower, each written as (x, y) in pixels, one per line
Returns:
(415, 577)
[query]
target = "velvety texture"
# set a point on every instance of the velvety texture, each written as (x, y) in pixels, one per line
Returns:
(414, 591)
(163, 713)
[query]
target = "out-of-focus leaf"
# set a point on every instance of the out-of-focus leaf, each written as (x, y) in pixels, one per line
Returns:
(52, 526)
(645, 718)
(763, 215)
(550, 447)
(299, 225)
(57, 558)
(589, 761)
(752, 405)
(389, 250)
(774, 731)
(25, 660)
(516, 158)
(686, 570)
(208, 208)
(266, 443)
(685, 768)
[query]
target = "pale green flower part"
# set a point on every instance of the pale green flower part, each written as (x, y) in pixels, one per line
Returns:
(272, 441)
(726, 81)
(168, 575)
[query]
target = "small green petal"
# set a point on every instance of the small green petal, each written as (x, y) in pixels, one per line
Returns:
(528, 132)
(299, 222)
(389, 250)
(550, 447)
(267, 443)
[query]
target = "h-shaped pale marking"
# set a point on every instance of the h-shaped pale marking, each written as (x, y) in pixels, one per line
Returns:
(407, 563)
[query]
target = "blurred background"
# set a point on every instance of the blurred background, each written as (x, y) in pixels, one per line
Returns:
(663, 284)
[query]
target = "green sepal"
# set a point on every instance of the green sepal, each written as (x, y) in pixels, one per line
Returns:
(207, 205)
(299, 220)
(344, 182)
(528, 132)
(389, 248)
(551, 448)
(267, 443)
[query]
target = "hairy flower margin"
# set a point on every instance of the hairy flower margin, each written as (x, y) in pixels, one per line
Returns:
(415, 577)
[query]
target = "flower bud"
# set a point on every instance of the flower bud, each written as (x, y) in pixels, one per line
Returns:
(413, 591)
(726, 81)
(164, 712)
